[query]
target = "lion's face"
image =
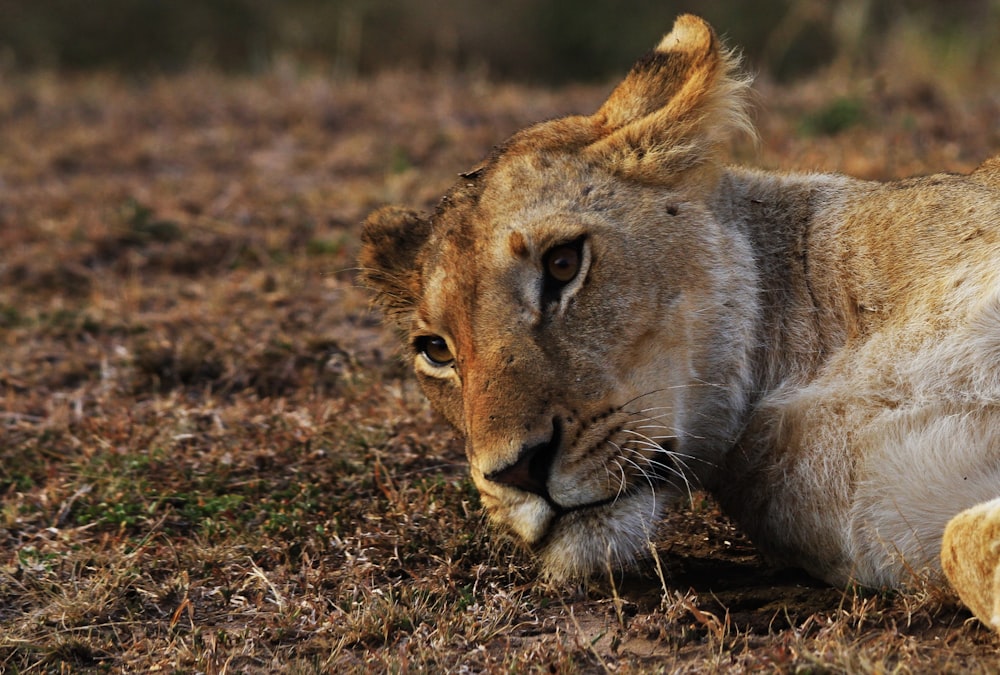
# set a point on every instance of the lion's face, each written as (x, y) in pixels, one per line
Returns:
(574, 309)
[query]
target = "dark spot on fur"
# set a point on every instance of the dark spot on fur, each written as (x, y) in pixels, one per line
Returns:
(517, 245)
(672, 210)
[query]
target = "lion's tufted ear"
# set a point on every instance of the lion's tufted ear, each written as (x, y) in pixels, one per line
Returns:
(676, 107)
(391, 240)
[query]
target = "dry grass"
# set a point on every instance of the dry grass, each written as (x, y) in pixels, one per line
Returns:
(211, 460)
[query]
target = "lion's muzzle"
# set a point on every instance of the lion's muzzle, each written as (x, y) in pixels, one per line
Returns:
(531, 469)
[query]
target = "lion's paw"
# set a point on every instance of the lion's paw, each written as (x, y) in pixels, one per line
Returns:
(970, 557)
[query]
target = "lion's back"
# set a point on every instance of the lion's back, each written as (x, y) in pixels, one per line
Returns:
(988, 173)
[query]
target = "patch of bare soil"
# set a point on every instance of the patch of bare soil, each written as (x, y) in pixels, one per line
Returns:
(212, 460)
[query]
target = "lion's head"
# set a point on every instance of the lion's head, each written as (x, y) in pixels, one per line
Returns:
(575, 309)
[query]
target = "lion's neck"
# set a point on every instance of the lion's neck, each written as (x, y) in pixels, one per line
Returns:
(794, 225)
(801, 312)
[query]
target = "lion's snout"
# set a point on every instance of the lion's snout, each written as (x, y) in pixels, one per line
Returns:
(532, 467)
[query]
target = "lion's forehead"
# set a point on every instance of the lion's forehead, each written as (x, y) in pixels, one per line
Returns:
(523, 189)
(464, 278)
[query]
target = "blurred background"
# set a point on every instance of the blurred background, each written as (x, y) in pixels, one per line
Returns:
(538, 41)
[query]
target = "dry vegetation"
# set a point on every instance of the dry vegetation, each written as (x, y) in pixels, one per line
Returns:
(211, 459)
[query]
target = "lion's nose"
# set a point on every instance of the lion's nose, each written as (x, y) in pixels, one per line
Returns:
(530, 471)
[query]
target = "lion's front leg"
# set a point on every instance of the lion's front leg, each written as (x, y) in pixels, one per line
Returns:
(970, 557)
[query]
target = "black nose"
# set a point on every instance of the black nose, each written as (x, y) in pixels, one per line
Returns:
(530, 471)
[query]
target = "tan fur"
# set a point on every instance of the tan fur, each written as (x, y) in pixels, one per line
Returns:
(971, 559)
(820, 352)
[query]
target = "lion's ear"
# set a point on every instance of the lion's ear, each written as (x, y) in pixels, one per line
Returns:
(391, 240)
(676, 107)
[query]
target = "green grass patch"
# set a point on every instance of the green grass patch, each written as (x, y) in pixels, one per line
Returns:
(835, 117)
(142, 225)
(330, 246)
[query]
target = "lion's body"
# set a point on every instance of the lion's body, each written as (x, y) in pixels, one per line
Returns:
(881, 417)
(610, 315)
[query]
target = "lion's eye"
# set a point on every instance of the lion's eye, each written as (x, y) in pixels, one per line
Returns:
(435, 349)
(561, 264)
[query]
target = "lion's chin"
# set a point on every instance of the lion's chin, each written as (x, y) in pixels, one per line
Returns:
(576, 542)
(583, 541)
(530, 518)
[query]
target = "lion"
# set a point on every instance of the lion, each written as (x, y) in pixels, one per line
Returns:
(612, 316)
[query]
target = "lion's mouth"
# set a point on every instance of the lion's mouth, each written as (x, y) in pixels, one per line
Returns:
(598, 521)
(652, 484)
(566, 510)
(548, 498)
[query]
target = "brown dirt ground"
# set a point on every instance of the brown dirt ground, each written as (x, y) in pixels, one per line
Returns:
(213, 461)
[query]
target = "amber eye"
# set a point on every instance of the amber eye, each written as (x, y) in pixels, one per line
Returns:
(563, 262)
(435, 349)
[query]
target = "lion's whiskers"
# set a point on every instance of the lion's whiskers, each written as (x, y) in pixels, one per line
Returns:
(640, 448)
(679, 469)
